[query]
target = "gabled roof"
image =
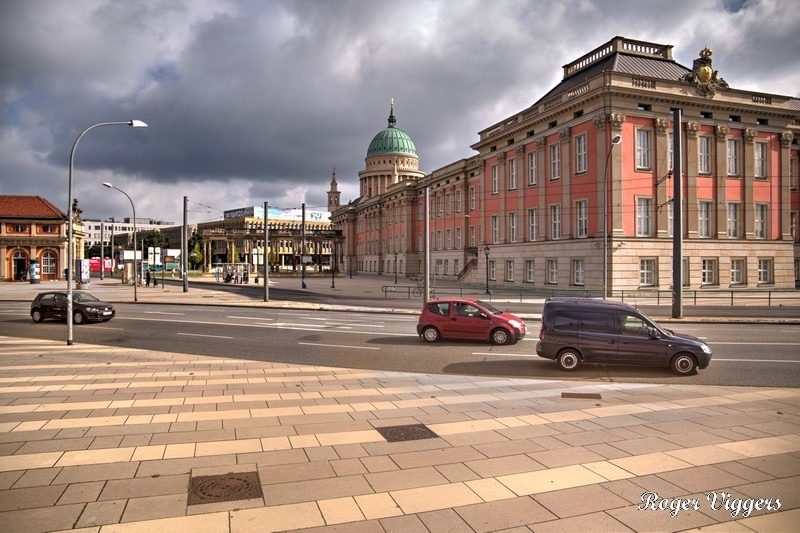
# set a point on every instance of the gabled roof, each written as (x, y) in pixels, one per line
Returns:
(29, 207)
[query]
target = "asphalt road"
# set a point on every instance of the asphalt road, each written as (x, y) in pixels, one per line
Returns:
(749, 355)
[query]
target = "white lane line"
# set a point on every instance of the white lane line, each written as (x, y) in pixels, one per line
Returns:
(106, 327)
(714, 343)
(756, 361)
(163, 313)
(249, 317)
(200, 335)
(495, 354)
(339, 346)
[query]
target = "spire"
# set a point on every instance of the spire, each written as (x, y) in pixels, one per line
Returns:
(392, 120)
(333, 180)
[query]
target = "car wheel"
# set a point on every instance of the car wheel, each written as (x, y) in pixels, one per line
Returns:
(37, 315)
(683, 364)
(501, 336)
(431, 334)
(568, 360)
(78, 318)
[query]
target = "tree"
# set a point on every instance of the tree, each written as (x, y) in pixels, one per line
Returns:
(195, 249)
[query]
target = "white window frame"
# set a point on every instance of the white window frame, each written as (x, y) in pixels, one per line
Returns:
(709, 271)
(533, 224)
(492, 270)
(738, 271)
(512, 174)
(794, 173)
(472, 198)
(472, 241)
(765, 271)
(734, 157)
(448, 238)
(49, 262)
(670, 150)
(555, 161)
(643, 216)
(644, 149)
(647, 272)
(458, 238)
(794, 220)
(582, 219)
(704, 219)
(552, 271)
(493, 179)
(458, 194)
(578, 272)
(509, 270)
(704, 147)
(581, 159)
(495, 228)
(530, 270)
(734, 217)
(671, 217)
(512, 226)
(532, 180)
(555, 222)
(448, 205)
(761, 160)
(761, 222)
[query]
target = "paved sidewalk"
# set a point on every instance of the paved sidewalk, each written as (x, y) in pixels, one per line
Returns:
(95, 438)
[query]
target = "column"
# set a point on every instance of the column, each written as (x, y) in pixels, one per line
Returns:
(721, 173)
(690, 206)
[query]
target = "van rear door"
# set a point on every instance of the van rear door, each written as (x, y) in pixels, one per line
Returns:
(597, 335)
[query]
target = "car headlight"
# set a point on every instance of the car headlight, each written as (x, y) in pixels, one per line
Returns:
(705, 348)
(91, 309)
(517, 324)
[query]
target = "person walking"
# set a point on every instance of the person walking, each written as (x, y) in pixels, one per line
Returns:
(147, 276)
(216, 274)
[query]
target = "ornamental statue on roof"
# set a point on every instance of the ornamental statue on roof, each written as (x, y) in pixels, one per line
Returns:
(703, 76)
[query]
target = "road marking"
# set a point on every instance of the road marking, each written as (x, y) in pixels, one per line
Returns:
(249, 317)
(339, 346)
(200, 335)
(106, 327)
(163, 313)
(758, 343)
(504, 354)
(757, 360)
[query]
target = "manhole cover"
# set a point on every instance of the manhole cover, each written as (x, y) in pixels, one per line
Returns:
(224, 488)
(407, 432)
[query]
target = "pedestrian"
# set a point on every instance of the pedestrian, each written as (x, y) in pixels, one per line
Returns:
(147, 278)
(216, 274)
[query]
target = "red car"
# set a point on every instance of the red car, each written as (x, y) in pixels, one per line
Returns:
(468, 318)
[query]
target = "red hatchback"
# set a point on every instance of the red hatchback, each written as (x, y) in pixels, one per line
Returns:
(468, 318)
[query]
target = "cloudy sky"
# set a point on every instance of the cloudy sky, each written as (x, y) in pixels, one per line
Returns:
(258, 100)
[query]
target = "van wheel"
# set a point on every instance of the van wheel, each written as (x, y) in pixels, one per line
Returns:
(431, 334)
(683, 364)
(501, 336)
(568, 360)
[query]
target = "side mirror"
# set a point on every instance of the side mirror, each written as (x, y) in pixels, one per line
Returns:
(654, 334)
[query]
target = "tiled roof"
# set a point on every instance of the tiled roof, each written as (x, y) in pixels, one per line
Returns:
(626, 64)
(31, 207)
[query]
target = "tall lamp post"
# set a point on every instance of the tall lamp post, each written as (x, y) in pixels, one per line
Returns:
(107, 184)
(70, 251)
(614, 141)
(486, 253)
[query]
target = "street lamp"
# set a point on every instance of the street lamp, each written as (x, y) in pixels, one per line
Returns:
(614, 141)
(395, 268)
(107, 184)
(486, 253)
(70, 251)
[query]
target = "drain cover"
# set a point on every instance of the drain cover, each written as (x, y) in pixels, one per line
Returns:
(583, 395)
(408, 432)
(224, 488)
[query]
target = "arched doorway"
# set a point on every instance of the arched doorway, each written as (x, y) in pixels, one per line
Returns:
(49, 265)
(19, 265)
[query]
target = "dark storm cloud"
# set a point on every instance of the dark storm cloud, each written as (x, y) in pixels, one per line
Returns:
(258, 100)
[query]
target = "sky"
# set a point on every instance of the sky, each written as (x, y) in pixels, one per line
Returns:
(250, 101)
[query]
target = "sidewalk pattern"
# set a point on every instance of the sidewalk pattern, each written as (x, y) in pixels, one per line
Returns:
(104, 439)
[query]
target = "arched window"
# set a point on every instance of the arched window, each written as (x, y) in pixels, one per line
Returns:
(48, 263)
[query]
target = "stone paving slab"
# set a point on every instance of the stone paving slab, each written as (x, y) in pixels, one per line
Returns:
(108, 439)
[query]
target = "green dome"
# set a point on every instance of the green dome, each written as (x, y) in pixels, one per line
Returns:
(392, 140)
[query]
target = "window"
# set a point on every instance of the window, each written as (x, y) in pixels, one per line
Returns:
(20, 229)
(48, 263)
(509, 270)
(580, 154)
(555, 221)
(647, 272)
(552, 271)
(439, 240)
(670, 151)
(671, 217)
(582, 219)
(733, 220)
(761, 155)
(533, 223)
(48, 229)
(643, 217)
(704, 155)
(762, 218)
(492, 270)
(704, 219)
(448, 242)
(643, 149)
(472, 236)
(448, 202)
(458, 238)
(734, 155)
(709, 272)
(685, 272)
(512, 174)
(555, 161)
(738, 274)
(532, 168)
(765, 271)
(438, 205)
(458, 201)
(472, 198)
(493, 179)
(577, 271)
(512, 227)
(794, 163)
(529, 270)
(495, 229)
(794, 216)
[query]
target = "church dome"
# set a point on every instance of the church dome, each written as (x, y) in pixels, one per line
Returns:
(392, 140)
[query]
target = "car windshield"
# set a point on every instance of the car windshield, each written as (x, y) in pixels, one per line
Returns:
(489, 307)
(84, 297)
